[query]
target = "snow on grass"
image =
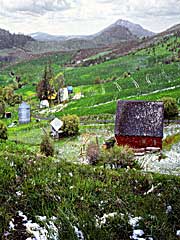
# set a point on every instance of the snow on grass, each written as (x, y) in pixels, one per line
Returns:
(137, 234)
(37, 232)
(102, 220)
(133, 221)
(78, 233)
(170, 163)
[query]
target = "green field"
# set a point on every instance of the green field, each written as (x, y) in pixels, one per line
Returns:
(150, 78)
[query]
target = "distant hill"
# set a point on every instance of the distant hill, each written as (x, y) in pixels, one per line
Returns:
(8, 40)
(40, 36)
(135, 29)
(120, 30)
(114, 34)
(172, 30)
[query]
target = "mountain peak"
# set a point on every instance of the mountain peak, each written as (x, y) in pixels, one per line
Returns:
(135, 29)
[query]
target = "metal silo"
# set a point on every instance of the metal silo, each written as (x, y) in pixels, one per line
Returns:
(24, 113)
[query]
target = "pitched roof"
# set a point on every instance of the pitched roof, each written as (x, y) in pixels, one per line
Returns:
(139, 118)
(56, 124)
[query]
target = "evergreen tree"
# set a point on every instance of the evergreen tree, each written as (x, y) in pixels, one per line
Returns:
(43, 88)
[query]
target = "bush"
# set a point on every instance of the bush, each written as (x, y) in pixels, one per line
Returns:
(3, 131)
(70, 125)
(97, 80)
(2, 108)
(119, 156)
(170, 107)
(46, 146)
(93, 153)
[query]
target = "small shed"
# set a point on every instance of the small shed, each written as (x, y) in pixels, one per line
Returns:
(56, 125)
(24, 113)
(139, 124)
(44, 104)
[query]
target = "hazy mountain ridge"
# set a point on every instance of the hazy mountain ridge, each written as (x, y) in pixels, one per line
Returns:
(8, 40)
(124, 28)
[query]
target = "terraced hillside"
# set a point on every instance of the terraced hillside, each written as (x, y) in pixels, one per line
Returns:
(147, 74)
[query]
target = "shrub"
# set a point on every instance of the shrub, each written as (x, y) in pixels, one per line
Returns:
(93, 153)
(170, 107)
(2, 108)
(70, 125)
(46, 146)
(3, 131)
(119, 156)
(97, 80)
(16, 99)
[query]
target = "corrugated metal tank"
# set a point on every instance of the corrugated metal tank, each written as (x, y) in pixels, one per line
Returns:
(24, 113)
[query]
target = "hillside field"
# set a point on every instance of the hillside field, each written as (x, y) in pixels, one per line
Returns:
(63, 197)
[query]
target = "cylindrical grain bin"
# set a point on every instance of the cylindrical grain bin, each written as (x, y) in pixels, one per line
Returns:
(24, 113)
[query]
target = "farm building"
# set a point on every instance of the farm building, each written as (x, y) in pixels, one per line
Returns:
(139, 124)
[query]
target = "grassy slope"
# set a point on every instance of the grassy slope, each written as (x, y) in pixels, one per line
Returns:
(101, 98)
(80, 195)
(32, 71)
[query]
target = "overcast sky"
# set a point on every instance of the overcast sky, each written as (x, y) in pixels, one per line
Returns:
(69, 17)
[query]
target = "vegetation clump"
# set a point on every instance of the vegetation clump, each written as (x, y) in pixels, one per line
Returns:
(100, 203)
(3, 131)
(2, 108)
(93, 153)
(46, 146)
(170, 107)
(70, 125)
(119, 157)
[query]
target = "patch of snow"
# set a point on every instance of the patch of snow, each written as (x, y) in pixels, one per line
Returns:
(23, 216)
(12, 164)
(178, 233)
(169, 209)
(57, 108)
(48, 231)
(133, 221)
(101, 221)
(79, 234)
(42, 218)
(11, 225)
(150, 190)
(12, 125)
(19, 193)
(137, 234)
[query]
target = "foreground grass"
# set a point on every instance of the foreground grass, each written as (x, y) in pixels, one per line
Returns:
(79, 195)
